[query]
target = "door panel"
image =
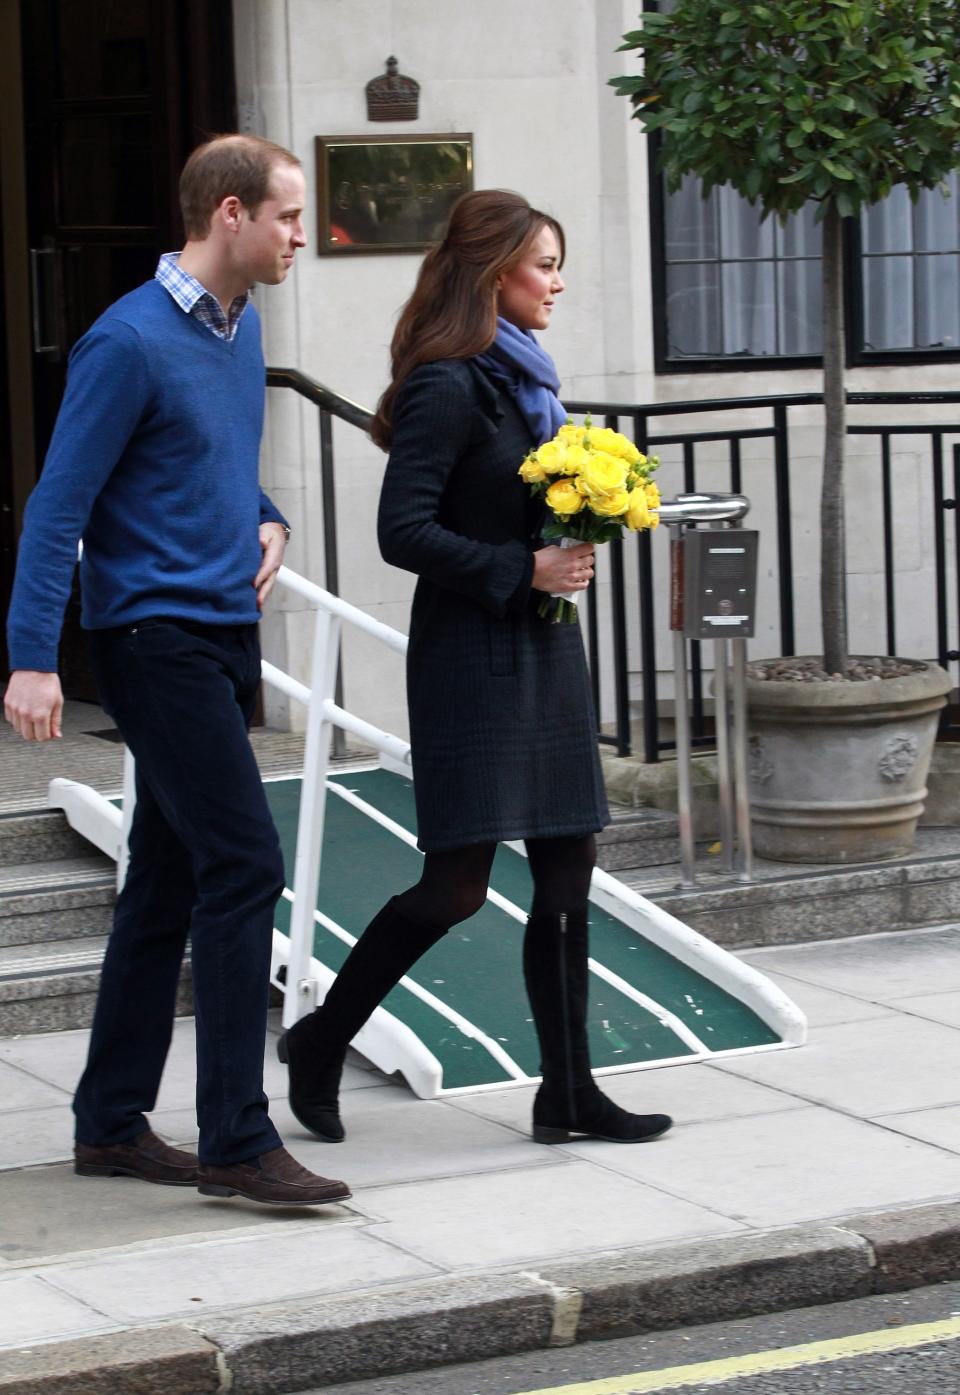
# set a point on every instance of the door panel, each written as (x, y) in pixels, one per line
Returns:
(116, 94)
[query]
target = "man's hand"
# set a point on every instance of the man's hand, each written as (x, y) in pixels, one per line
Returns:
(33, 704)
(273, 540)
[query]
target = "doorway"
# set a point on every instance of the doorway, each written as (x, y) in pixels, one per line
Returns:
(113, 94)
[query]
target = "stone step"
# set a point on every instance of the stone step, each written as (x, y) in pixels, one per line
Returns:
(638, 838)
(788, 906)
(63, 899)
(40, 836)
(53, 987)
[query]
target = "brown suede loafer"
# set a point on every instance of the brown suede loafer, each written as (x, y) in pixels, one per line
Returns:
(275, 1178)
(145, 1156)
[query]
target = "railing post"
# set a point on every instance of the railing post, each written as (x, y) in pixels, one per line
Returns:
(781, 459)
(889, 587)
(300, 989)
(648, 652)
(721, 722)
(331, 558)
(940, 547)
(740, 772)
(648, 636)
(621, 677)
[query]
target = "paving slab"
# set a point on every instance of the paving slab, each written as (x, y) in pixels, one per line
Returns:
(801, 1166)
(866, 1068)
(317, 1254)
(939, 1007)
(34, 1311)
(822, 1007)
(939, 1126)
(20, 1090)
(525, 1215)
(50, 1212)
(879, 968)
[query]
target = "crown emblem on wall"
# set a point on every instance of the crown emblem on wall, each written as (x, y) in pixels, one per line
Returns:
(392, 97)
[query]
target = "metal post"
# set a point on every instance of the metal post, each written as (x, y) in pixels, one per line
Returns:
(744, 842)
(722, 721)
(682, 726)
(688, 876)
(299, 995)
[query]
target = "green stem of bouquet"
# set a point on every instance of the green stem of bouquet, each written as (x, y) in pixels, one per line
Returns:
(558, 610)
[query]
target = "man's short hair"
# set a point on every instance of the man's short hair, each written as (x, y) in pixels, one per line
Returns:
(238, 165)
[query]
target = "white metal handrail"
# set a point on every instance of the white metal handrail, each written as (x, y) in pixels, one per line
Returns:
(323, 714)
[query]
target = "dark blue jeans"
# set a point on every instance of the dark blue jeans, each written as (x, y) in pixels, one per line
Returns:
(205, 861)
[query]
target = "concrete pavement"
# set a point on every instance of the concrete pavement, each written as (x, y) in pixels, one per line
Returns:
(791, 1177)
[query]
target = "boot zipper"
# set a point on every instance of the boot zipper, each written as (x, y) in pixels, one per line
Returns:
(565, 1009)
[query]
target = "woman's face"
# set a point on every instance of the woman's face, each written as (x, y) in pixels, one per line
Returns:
(526, 293)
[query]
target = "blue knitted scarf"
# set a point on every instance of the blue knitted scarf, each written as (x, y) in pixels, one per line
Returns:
(516, 360)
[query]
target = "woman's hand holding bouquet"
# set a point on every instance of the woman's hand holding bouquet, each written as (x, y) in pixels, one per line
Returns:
(595, 483)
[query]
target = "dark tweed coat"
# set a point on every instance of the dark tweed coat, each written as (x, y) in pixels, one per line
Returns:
(501, 718)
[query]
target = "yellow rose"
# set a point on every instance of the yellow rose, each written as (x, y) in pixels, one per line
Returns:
(551, 456)
(638, 512)
(602, 474)
(653, 494)
(610, 505)
(576, 459)
(571, 435)
(531, 471)
(614, 443)
(562, 498)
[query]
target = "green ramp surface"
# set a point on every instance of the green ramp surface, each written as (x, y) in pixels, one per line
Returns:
(475, 971)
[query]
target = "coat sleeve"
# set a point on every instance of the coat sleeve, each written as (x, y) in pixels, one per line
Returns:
(431, 431)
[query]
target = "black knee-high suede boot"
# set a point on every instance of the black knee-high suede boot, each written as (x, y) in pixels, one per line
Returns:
(555, 952)
(314, 1048)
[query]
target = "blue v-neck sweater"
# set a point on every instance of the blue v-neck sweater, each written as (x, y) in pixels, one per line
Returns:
(153, 463)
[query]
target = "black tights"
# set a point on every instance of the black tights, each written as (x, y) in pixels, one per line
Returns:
(454, 883)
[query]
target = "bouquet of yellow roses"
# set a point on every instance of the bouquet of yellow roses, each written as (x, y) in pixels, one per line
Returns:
(595, 483)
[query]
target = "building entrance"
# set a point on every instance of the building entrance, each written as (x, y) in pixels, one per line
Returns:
(102, 103)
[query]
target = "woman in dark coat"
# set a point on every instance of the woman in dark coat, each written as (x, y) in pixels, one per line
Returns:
(502, 733)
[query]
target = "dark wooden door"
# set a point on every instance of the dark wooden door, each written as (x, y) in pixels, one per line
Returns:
(116, 94)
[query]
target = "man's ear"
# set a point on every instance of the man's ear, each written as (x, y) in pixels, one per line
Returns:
(230, 212)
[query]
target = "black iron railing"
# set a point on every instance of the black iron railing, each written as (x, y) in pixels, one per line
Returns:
(649, 426)
(624, 642)
(329, 404)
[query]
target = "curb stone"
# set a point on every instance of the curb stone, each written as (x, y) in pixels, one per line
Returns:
(431, 1323)
(434, 1322)
(714, 1279)
(140, 1361)
(912, 1247)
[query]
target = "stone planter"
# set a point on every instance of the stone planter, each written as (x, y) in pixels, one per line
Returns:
(838, 770)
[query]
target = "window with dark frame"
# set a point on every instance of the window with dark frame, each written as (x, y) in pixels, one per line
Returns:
(733, 292)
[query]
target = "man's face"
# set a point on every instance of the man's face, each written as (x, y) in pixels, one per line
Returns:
(268, 240)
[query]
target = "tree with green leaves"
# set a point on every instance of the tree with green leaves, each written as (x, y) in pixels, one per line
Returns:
(830, 101)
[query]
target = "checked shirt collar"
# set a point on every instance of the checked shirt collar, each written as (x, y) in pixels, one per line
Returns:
(197, 301)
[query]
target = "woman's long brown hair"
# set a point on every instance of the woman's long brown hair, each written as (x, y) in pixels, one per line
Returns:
(453, 310)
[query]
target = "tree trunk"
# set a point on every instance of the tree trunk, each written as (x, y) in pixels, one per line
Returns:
(833, 591)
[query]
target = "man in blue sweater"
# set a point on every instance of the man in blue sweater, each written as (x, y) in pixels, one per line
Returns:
(153, 463)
